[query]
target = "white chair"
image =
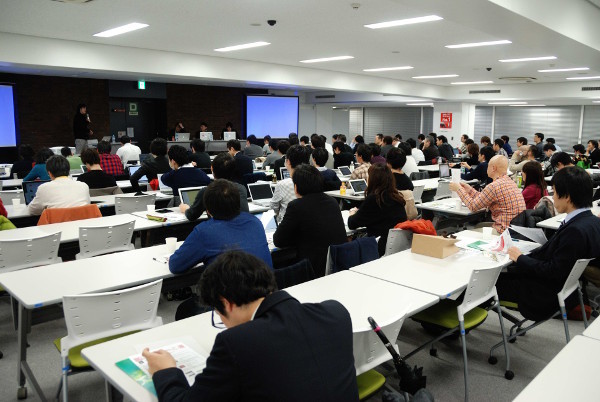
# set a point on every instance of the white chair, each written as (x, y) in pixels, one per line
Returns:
(443, 191)
(100, 240)
(128, 204)
(418, 194)
(8, 195)
(29, 252)
(95, 317)
(398, 240)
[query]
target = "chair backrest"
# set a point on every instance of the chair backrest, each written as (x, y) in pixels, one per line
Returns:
(113, 190)
(409, 206)
(481, 287)
(398, 240)
(295, 274)
(94, 316)
(572, 281)
(369, 351)
(100, 240)
(57, 215)
(419, 175)
(418, 194)
(127, 205)
(8, 196)
(30, 252)
(443, 190)
(345, 256)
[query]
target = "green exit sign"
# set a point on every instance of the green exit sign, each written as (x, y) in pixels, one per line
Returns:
(141, 84)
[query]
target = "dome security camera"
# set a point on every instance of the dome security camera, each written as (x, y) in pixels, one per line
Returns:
(271, 22)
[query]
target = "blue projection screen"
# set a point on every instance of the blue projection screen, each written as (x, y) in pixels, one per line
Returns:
(8, 126)
(276, 116)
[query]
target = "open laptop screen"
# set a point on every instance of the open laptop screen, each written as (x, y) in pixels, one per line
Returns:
(358, 186)
(444, 170)
(133, 169)
(285, 174)
(345, 170)
(188, 195)
(30, 189)
(260, 191)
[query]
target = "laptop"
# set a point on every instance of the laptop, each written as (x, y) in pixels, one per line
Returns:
(83, 168)
(30, 189)
(107, 138)
(162, 187)
(132, 169)
(229, 135)
(206, 136)
(182, 136)
(187, 195)
(285, 174)
(358, 186)
(444, 171)
(345, 170)
(261, 193)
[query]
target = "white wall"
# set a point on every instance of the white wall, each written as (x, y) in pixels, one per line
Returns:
(463, 120)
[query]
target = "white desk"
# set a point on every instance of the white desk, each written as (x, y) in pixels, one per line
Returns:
(555, 221)
(104, 201)
(12, 183)
(569, 376)
(448, 206)
(347, 196)
(17, 212)
(429, 168)
(593, 331)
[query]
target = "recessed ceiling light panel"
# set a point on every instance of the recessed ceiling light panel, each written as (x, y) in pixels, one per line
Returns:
(507, 103)
(327, 59)
(584, 78)
(389, 68)
(134, 26)
(425, 77)
(479, 44)
(408, 21)
(527, 59)
(243, 46)
(471, 82)
(559, 70)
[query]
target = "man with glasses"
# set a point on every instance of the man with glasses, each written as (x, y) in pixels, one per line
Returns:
(275, 348)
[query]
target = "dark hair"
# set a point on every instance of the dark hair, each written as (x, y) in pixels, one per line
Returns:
(522, 140)
(379, 135)
(534, 150)
(238, 277)
(470, 141)
(534, 176)
(387, 140)
(334, 137)
(594, 143)
(228, 124)
(125, 139)
(305, 139)
(104, 147)
(539, 135)
(381, 183)
(317, 142)
(551, 140)
(297, 155)
(223, 166)
(80, 106)
(267, 138)
(359, 139)
(433, 135)
(579, 147)
(342, 138)
(158, 147)
(398, 137)
(222, 199)
(421, 137)
(198, 145)
(320, 155)
(26, 151)
(499, 142)
(338, 145)
(294, 140)
(203, 123)
(58, 165)
(505, 138)
(442, 138)
(485, 140)
(283, 146)
(90, 157)
(466, 136)
(562, 158)
(473, 150)
(549, 146)
(487, 152)
(375, 149)
(575, 183)
(411, 142)
(43, 155)
(179, 154)
(251, 139)
(307, 179)
(324, 139)
(292, 135)
(66, 151)
(396, 158)
(406, 149)
(235, 144)
(364, 151)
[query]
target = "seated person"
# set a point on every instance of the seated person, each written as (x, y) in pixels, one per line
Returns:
(430, 151)
(95, 177)
(252, 150)
(376, 154)
(278, 150)
(485, 141)
(128, 152)
(535, 185)
(507, 146)
(183, 173)
(363, 157)
(445, 149)
(39, 171)
(312, 221)
(246, 361)
(534, 280)
(61, 192)
(581, 159)
(279, 162)
(479, 172)
(549, 150)
(228, 229)
(199, 157)
(473, 157)
(499, 147)
(25, 162)
(383, 207)
(242, 162)
(110, 163)
(396, 159)
(388, 141)
(317, 142)
(502, 196)
(531, 155)
(340, 156)
(223, 167)
(284, 190)
(320, 156)
(267, 148)
(74, 161)
(410, 166)
(416, 153)
(157, 163)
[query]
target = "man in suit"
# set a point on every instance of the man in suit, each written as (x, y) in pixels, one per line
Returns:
(430, 151)
(388, 143)
(252, 150)
(534, 280)
(242, 162)
(444, 148)
(275, 348)
(312, 221)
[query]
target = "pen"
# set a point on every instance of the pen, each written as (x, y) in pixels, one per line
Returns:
(157, 260)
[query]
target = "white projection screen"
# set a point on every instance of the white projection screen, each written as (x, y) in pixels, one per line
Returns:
(276, 116)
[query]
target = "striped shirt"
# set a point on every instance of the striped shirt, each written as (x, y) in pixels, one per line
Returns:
(501, 197)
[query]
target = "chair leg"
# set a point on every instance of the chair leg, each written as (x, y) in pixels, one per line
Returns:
(65, 374)
(508, 374)
(464, 348)
(563, 313)
(583, 312)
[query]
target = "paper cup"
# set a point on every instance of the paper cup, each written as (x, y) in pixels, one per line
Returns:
(151, 208)
(171, 244)
(16, 202)
(487, 233)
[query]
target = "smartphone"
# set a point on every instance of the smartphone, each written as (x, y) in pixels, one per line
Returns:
(163, 211)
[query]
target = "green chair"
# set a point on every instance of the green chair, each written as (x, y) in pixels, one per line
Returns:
(369, 382)
(453, 316)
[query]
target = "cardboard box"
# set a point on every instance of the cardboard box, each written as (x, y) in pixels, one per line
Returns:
(433, 246)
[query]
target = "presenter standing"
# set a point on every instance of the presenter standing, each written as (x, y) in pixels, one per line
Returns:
(81, 129)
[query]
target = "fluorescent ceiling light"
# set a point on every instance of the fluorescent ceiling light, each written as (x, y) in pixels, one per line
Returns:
(527, 105)
(407, 21)
(507, 103)
(584, 78)
(419, 104)
(528, 59)
(478, 44)
(240, 47)
(598, 101)
(558, 70)
(424, 77)
(327, 59)
(471, 82)
(389, 68)
(134, 26)
(500, 99)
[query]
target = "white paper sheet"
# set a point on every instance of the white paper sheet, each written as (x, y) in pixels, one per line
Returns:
(535, 234)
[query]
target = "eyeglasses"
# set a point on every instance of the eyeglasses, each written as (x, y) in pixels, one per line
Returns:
(218, 323)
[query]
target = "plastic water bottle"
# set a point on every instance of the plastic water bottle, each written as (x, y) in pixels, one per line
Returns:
(519, 180)
(113, 138)
(343, 189)
(462, 170)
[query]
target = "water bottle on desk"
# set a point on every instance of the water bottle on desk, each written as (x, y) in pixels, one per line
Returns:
(113, 138)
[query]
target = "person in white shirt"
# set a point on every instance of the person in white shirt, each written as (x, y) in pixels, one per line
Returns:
(62, 191)
(284, 190)
(411, 164)
(416, 153)
(128, 151)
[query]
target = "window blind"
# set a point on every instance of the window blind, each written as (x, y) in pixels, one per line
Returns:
(391, 120)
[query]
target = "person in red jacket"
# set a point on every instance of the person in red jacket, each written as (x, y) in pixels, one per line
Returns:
(535, 185)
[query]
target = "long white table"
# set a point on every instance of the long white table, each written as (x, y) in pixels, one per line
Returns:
(593, 330)
(555, 221)
(19, 183)
(448, 206)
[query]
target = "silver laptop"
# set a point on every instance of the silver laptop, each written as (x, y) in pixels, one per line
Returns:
(261, 193)
(162, 187)
(83, 168)
(206, 136)
(187, 195)
(182, 136)
(285, 174)
(229, 135)
(358, 186)
(345, 170)
(133, 169)
(107, 138)
(444, 171)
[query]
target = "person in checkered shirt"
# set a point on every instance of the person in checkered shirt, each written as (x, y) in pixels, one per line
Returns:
(110, 163)
(502, 197)
(363, 157)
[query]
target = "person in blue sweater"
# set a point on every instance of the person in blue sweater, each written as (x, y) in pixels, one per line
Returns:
(184, 174)
(39, 170)
(479, 172)
(228, 229)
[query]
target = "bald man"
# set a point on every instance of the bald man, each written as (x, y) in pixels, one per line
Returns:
(502, 196)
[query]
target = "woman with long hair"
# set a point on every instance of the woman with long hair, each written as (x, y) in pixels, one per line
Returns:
(535, 185)
(383, 207)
